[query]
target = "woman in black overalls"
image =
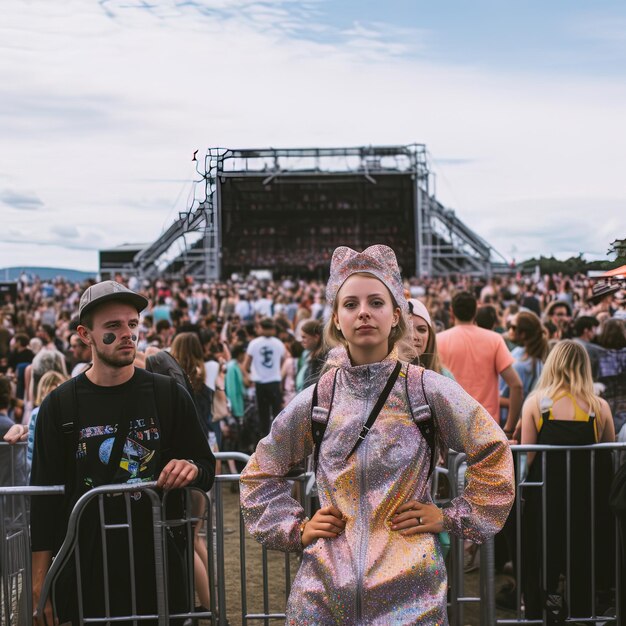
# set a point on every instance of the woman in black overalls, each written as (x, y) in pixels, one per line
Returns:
(563, 410)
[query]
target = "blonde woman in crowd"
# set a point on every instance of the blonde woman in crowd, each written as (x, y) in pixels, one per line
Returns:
(425, 339)
(49, 381)
(563, 410)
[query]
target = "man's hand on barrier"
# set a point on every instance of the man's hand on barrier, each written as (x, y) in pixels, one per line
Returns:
(414, 517)
(17, 433)
(327, 522)
(177, 473)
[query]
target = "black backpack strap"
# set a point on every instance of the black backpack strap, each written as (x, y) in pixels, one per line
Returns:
(427, 427)
(380, 403)
(164, 397)
(68, 417)
(318, 428)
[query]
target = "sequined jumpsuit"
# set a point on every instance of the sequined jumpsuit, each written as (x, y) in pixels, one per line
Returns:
(370, 574)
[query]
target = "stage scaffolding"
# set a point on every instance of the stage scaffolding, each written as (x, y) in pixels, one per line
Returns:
(441, 243)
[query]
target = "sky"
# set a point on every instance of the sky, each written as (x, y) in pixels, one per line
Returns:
(522, 107)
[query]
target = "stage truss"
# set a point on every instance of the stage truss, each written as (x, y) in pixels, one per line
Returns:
(443, 244)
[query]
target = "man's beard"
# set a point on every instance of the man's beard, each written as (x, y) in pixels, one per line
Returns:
(123, 359)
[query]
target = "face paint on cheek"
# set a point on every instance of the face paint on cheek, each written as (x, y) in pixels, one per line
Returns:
(133, 338)
(108, 338)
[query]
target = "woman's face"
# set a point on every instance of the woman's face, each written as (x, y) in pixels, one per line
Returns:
(365, 315)
(309, 342)
(512, 326)
(420, 333)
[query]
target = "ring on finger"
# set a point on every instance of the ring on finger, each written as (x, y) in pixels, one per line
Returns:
(420, 521)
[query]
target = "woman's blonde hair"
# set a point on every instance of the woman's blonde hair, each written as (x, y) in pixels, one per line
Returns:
(401, 336)
(49, 381)
(568, 369)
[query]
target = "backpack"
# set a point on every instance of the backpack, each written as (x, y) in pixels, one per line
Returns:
(164, 363)
(423, 414)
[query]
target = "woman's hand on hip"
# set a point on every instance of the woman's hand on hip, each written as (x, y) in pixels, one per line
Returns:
(327, 522)
(415, 517)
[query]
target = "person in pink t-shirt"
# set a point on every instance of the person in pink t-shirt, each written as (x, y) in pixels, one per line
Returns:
(476, 357)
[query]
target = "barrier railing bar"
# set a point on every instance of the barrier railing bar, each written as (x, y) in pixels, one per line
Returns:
(211, 558)
(592, 508)
(568, 527)
(219, 552)
(242, 568)
(131, 556)
(544, 522)
(52, 490)
(266, 593)
(487, 584)
(105, 559)
(619, 560)
(518, 536)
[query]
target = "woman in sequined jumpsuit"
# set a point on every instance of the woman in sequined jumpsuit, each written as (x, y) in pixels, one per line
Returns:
(371, 554)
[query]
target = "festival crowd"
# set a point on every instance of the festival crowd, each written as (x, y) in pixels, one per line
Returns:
(248, 347)
(38, 335)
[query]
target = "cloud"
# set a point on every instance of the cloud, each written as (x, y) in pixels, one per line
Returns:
(38, 241)
(557, 227)
(21, 201)
(118, 95)
(44, 111)
(65, 231)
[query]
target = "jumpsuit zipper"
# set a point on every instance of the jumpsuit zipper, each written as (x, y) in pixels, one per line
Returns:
(363, 513)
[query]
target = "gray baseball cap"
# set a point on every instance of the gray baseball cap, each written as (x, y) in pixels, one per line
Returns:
(106, 291)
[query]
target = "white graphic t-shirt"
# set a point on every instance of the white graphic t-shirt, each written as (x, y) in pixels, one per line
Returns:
(266, 353)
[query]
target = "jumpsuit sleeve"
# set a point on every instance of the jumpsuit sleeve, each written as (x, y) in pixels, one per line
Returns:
(270, 513)
(465, 426)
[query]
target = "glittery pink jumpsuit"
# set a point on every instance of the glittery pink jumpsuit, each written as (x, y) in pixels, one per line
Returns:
(371, 575)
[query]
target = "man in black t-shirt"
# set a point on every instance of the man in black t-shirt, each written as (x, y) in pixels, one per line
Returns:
(121, 434)
(20, 352)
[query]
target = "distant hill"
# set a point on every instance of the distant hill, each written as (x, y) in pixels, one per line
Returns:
(13, 273)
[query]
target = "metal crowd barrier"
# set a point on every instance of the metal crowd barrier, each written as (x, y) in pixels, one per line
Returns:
(268, 565)
(15, 564)
(14, 535)
(560, 599)
(14, 469)
(263, 597)
(161, 528)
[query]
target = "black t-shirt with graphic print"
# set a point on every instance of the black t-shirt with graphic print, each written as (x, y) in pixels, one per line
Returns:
(130, 406)
(153, 439)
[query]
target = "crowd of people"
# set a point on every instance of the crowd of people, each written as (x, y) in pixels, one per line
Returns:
(230, 319)
(544, 357)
